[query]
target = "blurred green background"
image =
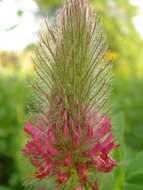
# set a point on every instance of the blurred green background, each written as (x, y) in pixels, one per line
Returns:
(123, 23)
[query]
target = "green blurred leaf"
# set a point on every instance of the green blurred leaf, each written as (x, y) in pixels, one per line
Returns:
(20, 13)
(136, 178)
(118, 129)
(134, 173)
(135, 166)
(133, 187)
(5, 188)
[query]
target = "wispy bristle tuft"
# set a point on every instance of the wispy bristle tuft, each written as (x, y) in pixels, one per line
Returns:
(72, 68)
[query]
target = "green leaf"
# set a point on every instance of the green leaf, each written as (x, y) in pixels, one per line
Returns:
(136, 178)
(20, 13)
(129, 186)
(118, 128)
(134, 173)
(135, 166)
(5, 188)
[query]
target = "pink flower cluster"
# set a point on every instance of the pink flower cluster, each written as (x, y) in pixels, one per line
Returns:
(63, 151)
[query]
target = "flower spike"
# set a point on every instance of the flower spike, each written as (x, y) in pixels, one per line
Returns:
(70, 136)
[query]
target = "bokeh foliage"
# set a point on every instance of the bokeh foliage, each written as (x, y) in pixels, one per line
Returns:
(127, 50)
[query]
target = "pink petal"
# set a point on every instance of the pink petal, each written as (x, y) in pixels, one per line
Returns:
(82, 170)
(104, 165)
(76, 138)
(78, 188)
(51, 150)
(103, 128)
(62, 177)
(68, 160)
(90, 132)
(65, 117)
(66, 131)
(33, 131)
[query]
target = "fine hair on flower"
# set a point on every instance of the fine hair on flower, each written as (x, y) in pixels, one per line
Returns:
(70, 133)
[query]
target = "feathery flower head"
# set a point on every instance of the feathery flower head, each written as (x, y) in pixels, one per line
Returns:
(70, 137)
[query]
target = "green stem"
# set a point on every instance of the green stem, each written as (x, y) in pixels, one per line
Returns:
(86, 187)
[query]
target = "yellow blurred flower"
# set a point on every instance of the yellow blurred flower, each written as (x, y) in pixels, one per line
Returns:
(111, 56)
